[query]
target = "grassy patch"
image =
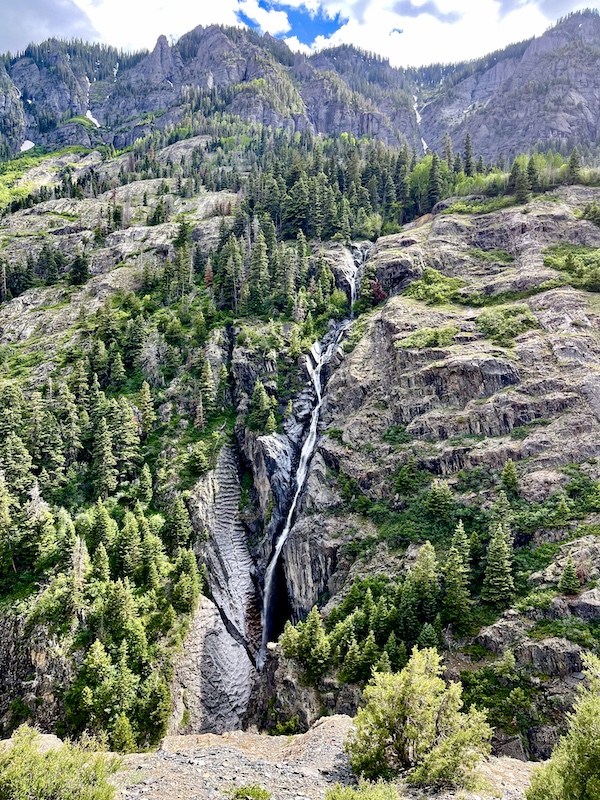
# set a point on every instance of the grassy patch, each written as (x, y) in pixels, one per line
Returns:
(434, 288)
(428, 337)
(494, 256)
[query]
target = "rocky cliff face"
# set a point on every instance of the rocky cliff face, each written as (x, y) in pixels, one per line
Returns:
(546, 95)
(540, 94)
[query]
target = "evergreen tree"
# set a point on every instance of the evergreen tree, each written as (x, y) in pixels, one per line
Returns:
(457, 602)
(146, 408)
(207, 387)
(351, 668)
(574, 167)
(469, 158)
(434, 189)
(145, 485)
(498, 585)
(448, 151)
(180, 526)
(104, 463)
(313, 646)
(569, 582)
(509, 478)
(427, 637)
(79, 273)
(522, 187)
(258, 280)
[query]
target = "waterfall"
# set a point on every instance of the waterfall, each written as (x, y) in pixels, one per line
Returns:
(319, 357)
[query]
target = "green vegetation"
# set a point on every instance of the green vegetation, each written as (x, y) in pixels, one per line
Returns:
(582, 265)
(493, 256)
(365, 791)
(503, 325)
(428, 337)
(412, 722)
(250, 792)
(434, 288)
(572, 771)
(71, 772)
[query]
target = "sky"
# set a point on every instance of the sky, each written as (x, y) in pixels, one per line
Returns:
(408, 32)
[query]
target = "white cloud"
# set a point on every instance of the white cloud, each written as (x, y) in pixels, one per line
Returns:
(294, 43)
(273, 21)
(479, 27)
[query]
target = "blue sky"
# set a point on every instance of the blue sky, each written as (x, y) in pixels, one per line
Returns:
(305, 25)
(408, 32)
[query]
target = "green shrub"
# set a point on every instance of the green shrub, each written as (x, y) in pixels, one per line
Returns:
(434, 288)
(251, 792)
(411, 722)
(365, 791)
(428, 337)
(574, 768)
(72, 772)
(494, 256)
(479, 206)
(501, 325)
(396, 434)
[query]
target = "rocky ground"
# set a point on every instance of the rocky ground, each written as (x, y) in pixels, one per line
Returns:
(302, 767)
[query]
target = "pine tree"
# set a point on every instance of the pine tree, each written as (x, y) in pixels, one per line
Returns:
(146, 408)
(117, 371)
(509, 478)
(448, 151)
(575, 166)
(498, 584)
(100, 565)
(122, 739)
(434, 189)
(16, 464)
(427, 637)
(207, 387)
(145, 485)
(79, 270)
(258, 279)
(128, 546)
(104, 463)
(313, 646)
(457, 601)
(439, 502)
(569, 582)
(522, 187)
(469, 159)
(180, 526)
(350, 672)
(369, 656)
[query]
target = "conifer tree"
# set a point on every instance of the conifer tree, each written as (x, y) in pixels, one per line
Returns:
(434, 189)
(457, 601)
(427, 637)
(498, 584)
(313, 646)
(369, 656)
(79, 270)
(469, 158)
(117, 371)
(351, 668)
(180, 527)
(104, 463)
(574, 166)
(100, 565)
(448, 151)
(145, 485)
(569, 582)
(509, 478)
(207, 387)
(258, 279)
(146, 407)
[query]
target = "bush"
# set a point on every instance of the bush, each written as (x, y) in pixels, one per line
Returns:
(72, 772)
(251, 792)
(574, 768)
(434, 288)
(428, 337)
(501, 325)
(365, 791)
(412, 722)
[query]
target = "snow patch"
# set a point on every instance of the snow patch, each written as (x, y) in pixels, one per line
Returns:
(170, 83)
(92, 118)
(27, 145)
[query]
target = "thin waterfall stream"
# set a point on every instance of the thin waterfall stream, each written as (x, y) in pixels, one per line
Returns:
(318, 358)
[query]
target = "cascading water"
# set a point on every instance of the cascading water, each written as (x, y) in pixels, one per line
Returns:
(319, 357)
